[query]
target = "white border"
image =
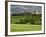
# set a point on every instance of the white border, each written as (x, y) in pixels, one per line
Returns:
(30, 32)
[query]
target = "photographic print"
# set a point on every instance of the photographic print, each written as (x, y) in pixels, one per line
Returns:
(25, 18)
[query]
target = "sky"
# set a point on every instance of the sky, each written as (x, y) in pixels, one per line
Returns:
(22, 8)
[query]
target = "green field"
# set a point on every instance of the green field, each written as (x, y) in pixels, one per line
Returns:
(25, 22)
(24, 27)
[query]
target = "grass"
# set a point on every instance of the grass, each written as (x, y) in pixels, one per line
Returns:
(25, 23)
(25, 27)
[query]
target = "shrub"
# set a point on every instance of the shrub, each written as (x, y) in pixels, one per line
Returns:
(28, 19)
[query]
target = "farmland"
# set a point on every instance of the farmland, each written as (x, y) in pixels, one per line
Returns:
(25, 22)
(24, 27)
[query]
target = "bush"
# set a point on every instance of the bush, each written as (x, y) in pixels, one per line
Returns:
(28, 19)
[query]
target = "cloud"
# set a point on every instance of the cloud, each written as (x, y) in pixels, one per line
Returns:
(21, 8)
